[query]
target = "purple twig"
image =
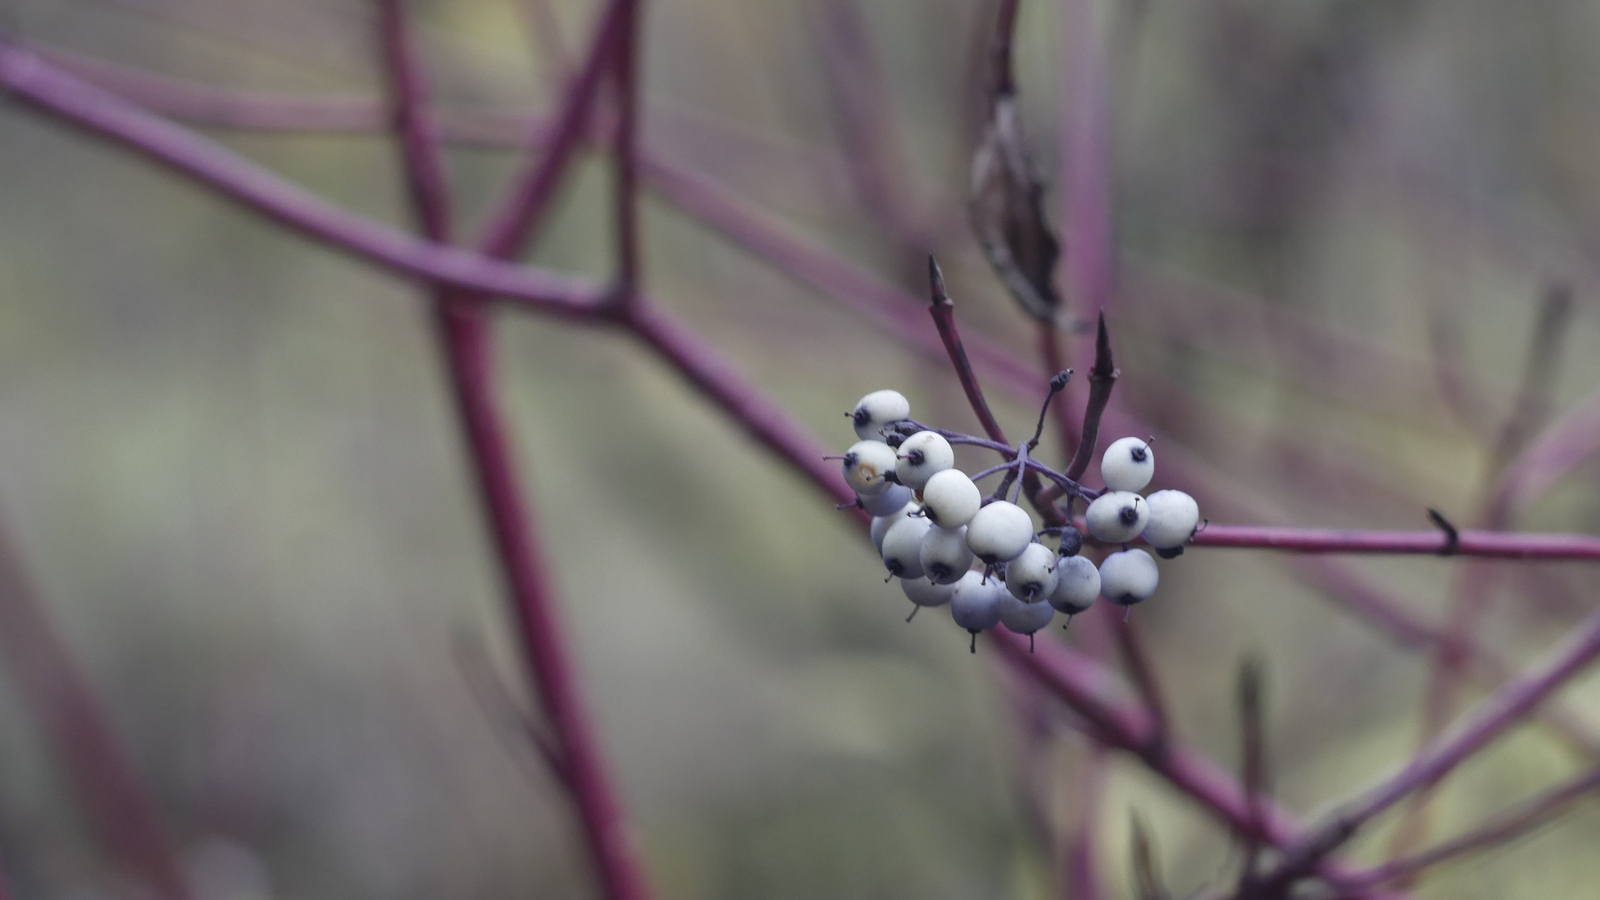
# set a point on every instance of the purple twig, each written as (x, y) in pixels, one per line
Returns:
(1499, 544)
(625, 153)
(517, 218)
(467, 341)
(120, 813)
(1512, 703)
(33, 82)
(1102, 378)
(1518, 821)
(944, 319)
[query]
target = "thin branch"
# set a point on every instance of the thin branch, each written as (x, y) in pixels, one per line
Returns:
(1510, 825)
(35, 83)
(1082, 878)
(528, 199)
(467, 340)
(1506, 707)
(944, 319)
(1102, 378)
(120, 814)
(1497, 544)
(625, 154)
(1253, 762)
(1093, 693)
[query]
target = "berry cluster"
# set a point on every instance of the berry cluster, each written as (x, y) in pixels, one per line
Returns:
(948, 543)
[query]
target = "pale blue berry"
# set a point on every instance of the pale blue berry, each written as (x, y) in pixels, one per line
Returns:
(975, 604)
(1117, 517)
(1032, 575)
(1173, 518)
(950, 498)
(865, 465)
(876, 410)
(1077, 584)
(944, 555)
(1023, 617)
(882, 524)
(886, 502)
(1128, 465)
(923, 592)
(920, 456)
(1128, 577)
(999, 532)
(901, 544)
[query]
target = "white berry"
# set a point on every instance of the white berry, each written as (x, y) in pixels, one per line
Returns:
(876, 410)
(865, 464)
(920, 456)
(901, 543)
(923, 592)
(1128, 577)
(999, 532)
(1117, 517)
(1173, 518)
(1128, 465)
(1032, 575)
(886, 502)
(951, 499)
(882, 524)
(1077, 584)
(975, 604)
(944, 555)
(1023, 617)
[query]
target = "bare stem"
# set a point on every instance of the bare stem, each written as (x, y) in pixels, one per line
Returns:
(121, 815)
(944, 318)
(1102, 377)
(1514, 823)
(465, 334)
(1499, 544)
(1506, 707)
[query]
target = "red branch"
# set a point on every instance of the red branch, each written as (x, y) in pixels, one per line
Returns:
(944, 319)
(120, 814)
(467, 341)
(1500, 544)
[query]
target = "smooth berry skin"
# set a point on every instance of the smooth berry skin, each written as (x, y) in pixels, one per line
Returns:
(901, 544)
(1128, 577)
(1173, 518)
(1031, 577)
(1077, 585)
(999, 532)
(1128, 465)
(865, 465)
(876, 410)
(882, 524)
(951, 499)
(1022, 617)
(975, 604)
(886, 502)
(920, 456)
(1117, 517)
(944, 555)
(923, 592)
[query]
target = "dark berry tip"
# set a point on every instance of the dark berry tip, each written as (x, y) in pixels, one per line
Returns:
(1139, 454)
(1128, 515)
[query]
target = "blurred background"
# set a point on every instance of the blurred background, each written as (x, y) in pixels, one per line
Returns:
(229, 464)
